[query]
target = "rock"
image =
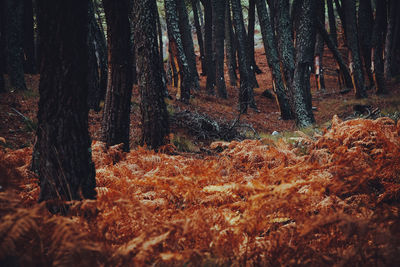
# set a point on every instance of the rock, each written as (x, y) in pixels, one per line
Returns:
(275, 133)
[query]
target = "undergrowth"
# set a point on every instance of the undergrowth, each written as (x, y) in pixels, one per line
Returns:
(259, 202)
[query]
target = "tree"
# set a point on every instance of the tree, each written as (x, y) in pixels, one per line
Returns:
(305, 44)
(199, 35)
(250, 35)
(246, 95)
(177, 51)
(28, 38)
(332, 22)
(65, 167)
(352, 42)
(208, 46)
(2, 46)
(218, 8)
(155, 126)
(389, 38)
(271, 52)
(14, 43)
(319, 48)
(116, 118)
(365, 24)
(230, 47)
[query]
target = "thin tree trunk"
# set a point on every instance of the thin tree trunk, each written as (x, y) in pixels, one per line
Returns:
(377, 47)
(271, 52)
(116, 118)
(94, 96)
(187, 41)
(199, 35)
(178, 52)
(332, 22)
(352, 42)
(365, 24)
(218, 43)
(14, 44)
(341, 12)
(319, 48)
(305, 43)
(155, 126)
(28, 37)
(389, 39)
(396, 42)
(65, 166)
(161, 53)
(208, 45)
(250, 35)
(230, 46)
(246, 95)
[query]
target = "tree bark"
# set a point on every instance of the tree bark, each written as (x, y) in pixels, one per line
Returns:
(116, 118)
(305, 43)
(14, 44)
(332, 22)
(28, 38)
(271, 52)
(155, 126)
(199, 35)
(352, 42)
(396, 42)
(218, 45)
(365, 24)
(63, 149)
(187, 41)
(230, 46)
(208, 45)
(319, 48)
(250, 35)
(246, 95)
(389, 39)
(178, 52)
(2, 46)
(377, 47)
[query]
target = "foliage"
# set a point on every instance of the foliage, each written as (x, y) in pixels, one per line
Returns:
(259, 202)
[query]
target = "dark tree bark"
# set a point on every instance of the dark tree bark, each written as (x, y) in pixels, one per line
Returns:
(66, 170)
(319, 48)
(187, 41)
(218, 45)
(14, 43)
(246, 95)
(271, 52)
(389, 39)
(336, 54)
(332, 22)
(294, 15)
(396, 42)
(116, 118)
(352, 42)
(250, 35)
(305, 43)
(94, 96)
(28, 38)
(208, 46)
(2, 46)
(199, 35)
(178, 52)
(377, 47)
(365, 24)
(340, 11)
(155, 126)
(161, 54)
(230, 49)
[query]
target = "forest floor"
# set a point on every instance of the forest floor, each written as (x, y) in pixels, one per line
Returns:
(322, 196)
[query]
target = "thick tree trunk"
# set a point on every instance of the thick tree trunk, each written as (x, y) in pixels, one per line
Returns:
(365, 24)
(336, 54)
(155, 126)
(14, 43)
(396, 42)
(250, 36)
(2, 46)
(208, 45)
(116, 118)
(230, 46)
(305, 43)
(28, 36)
(340, 11)
(66, 170)
(319, 48)
(199, 35)
(178, 52)
(246, 95)
(161, 54)
(187, 40)
(218, 45)
(271, 52)
(377, 47)
(353, 44)
(389, 39)
(332, 22)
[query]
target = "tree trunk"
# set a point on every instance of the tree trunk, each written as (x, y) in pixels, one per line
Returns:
(208, 45)
(336, 54)
(389, 39)
(342, 16)
(230, 46)
(2, 46)
(305, 43)
(271, 52)
(365, 24)
(319, 48)
(14, 44)
(66, 170)
(396, 42)
(352, 42)
(178, 52)
(116, 117)
(187, 41)
(155, 126)
(250, 35)
(199, 36)
(332, 22)
(377, 47)
(28, 38)
(218, 45)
